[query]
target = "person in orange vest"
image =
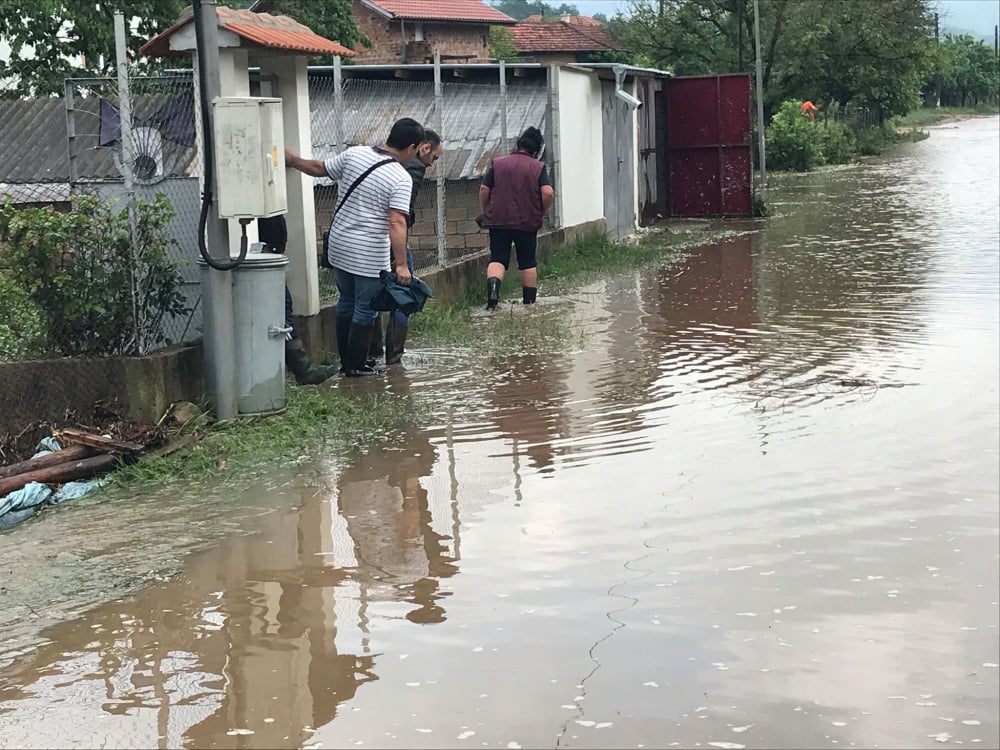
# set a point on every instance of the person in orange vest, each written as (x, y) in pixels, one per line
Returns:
(810, 109)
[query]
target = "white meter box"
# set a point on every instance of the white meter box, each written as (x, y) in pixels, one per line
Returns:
(249, 157)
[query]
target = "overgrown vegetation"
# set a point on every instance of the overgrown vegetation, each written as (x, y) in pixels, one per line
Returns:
(796, 143)
(95, 280)
(22, 324)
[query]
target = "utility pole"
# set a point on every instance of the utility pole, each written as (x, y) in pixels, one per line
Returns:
(760, 102)
(937, 77)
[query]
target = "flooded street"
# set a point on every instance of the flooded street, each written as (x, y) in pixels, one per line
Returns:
(755, 505)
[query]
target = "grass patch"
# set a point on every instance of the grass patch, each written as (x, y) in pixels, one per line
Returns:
(329, 417)
(932, 115)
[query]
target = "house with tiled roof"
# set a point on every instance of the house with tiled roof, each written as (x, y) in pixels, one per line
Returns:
(408, 31)
(561, 40)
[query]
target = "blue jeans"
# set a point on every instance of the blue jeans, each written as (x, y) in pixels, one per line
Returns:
(400, 318)
(356, 295)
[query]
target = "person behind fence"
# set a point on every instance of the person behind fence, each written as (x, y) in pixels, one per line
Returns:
(273, 232)
(398, 324)
(514, 196)
(368, 229)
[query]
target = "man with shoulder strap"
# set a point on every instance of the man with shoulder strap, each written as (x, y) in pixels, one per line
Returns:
(399, 322)
(368, 233)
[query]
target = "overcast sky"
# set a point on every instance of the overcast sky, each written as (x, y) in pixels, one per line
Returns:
(978, 16)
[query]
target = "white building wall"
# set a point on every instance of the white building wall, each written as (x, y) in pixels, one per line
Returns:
(581, 176)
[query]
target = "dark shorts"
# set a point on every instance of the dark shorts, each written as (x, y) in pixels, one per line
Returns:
(525, 243)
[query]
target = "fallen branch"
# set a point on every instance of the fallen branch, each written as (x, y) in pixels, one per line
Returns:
(83, 469)
(73, 453)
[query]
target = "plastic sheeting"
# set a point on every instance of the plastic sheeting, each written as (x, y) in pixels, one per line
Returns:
(21, 504)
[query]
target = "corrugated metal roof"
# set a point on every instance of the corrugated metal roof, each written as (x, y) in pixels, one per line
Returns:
(263, 29)
(440, 10)
(471, 130)
(33, 141)
(34, 147)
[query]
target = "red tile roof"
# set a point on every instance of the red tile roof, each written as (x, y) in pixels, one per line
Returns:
(559, 36)
(465, 11)
(263, 29)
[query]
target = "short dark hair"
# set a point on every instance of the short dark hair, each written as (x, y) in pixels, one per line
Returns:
(432, 138)
(273, 232)
(531, 141)
(405, 133)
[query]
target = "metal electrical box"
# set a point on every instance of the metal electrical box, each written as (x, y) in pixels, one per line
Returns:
(249, 157)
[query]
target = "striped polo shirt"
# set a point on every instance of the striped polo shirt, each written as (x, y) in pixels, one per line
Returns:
(359, 237)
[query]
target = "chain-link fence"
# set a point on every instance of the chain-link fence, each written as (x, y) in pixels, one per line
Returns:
(100, 200)
(477, 121)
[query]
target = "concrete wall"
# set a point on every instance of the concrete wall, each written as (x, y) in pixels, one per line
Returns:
(581, 179)
(138, 388)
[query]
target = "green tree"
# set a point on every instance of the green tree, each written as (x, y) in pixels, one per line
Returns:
(875, 54)
(54, 39)
(968, 71)
(51, 40)
(502, 45)
(328, 18)
(521, 9)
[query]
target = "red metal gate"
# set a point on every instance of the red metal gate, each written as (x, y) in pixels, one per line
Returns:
(708, 145)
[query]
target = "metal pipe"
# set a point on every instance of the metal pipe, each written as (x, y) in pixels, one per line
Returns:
(503, 105)
(442, 248)
(760, 102)
(217, 291)
(128, 175)
(338, 103)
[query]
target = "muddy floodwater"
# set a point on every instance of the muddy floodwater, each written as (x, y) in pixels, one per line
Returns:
(752, 502)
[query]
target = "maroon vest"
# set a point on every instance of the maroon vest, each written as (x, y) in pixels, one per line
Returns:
(515, 200)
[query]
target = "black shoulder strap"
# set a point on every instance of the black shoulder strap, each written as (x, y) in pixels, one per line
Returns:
(361, 178)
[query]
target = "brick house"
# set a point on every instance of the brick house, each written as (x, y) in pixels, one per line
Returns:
(560, 41)
(408, 31)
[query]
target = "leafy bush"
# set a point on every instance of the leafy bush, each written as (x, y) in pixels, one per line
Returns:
(792, 140)
(103, 287)
(836, 142)
(22, 324)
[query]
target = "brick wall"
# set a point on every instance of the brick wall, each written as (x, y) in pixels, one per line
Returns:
(387, 39)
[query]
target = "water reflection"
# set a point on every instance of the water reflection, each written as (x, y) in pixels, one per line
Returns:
(263, 639)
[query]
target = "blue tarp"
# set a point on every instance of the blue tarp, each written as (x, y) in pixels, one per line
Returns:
(23, 503)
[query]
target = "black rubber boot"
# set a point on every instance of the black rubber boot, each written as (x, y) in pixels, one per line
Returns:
(376, 349)
(343, 334)
(395, 340)
(305, 370)
(358, 344)
(529, 294)
(492, 293)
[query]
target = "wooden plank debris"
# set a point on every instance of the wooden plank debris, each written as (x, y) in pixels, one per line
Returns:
(73, 453)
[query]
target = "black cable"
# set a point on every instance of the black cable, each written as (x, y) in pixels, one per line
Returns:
(208, 148)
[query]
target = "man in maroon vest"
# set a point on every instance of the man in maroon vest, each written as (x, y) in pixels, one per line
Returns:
(515, 194)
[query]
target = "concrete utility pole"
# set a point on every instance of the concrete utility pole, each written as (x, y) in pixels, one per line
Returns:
(217, 291)
(760, 102)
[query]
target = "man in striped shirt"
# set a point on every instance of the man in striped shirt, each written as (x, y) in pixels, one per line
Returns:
(368, 233)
